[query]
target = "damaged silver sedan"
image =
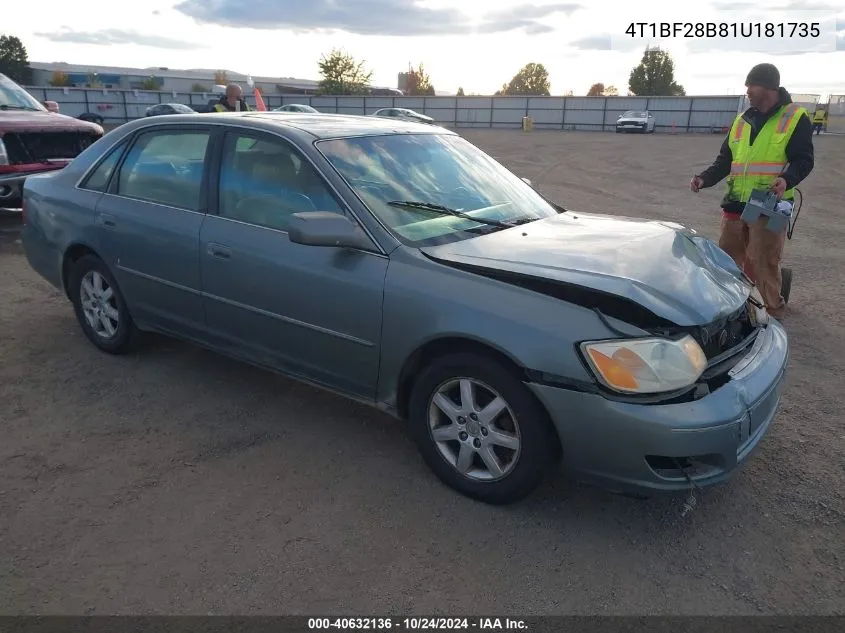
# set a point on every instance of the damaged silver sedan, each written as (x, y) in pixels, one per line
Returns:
(397, 264)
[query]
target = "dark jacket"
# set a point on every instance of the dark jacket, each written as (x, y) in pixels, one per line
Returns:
(225, 103)
(799, 151)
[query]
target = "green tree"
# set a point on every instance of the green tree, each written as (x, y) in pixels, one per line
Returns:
(611, 91)
(655, 76)
(199, 88)
(59, 79)
(419, 83)
(460, 91)
(532, 79)
(343, 75)
(150, 83)
(596, 90)
(14, 61)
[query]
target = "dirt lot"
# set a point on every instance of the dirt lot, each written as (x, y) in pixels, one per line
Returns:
(176, 481)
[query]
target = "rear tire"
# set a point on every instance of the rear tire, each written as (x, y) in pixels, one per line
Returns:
(100, 307)
(505, 456)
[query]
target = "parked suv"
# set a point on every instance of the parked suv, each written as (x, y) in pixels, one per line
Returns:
(35, 140)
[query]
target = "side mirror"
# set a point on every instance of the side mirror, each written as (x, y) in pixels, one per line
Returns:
(324, 228)
(52, 106)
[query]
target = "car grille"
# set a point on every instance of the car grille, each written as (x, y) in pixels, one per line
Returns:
(39, 147)
(723, 335)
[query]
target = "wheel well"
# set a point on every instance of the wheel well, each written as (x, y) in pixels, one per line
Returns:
(425, 354)
(73, 255)
(457, 345)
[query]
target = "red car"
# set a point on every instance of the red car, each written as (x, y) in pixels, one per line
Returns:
(34, 139)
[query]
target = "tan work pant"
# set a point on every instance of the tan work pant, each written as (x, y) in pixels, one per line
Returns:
(757, 251)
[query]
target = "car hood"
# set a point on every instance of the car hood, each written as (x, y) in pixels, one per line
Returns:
(28, 121)
(632, 119)
(664, 267)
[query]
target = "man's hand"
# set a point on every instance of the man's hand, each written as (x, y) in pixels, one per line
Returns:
(779, 187)
(696, 184)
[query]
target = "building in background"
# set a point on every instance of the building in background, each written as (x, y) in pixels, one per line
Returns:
(165, 79)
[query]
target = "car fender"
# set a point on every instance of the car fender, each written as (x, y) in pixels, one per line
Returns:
(426, 301)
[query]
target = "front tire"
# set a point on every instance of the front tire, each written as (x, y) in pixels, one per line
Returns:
(100, 307)
(480, 430)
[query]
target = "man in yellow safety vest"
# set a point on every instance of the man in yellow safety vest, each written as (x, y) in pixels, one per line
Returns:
(819, 119)
(769, 147)
(232, 101)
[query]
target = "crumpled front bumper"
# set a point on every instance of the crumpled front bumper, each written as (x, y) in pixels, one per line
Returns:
(632, 448)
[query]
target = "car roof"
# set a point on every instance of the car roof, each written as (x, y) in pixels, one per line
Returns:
(322, 125)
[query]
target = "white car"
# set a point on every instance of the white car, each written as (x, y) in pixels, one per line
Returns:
(635, 121)
(403, 113)
(295, 107)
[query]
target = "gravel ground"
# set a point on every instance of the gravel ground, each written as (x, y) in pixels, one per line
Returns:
(177, 481)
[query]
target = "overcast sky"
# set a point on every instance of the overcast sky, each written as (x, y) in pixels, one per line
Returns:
(477, 44)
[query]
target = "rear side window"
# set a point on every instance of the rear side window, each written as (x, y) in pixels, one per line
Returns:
(98, 180)
(166, 167)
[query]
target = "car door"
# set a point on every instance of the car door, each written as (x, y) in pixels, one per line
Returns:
(309, 311)
(148, 225)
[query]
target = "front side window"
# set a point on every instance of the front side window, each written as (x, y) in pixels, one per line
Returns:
(264, 181)
(433, 169)
(166, 167)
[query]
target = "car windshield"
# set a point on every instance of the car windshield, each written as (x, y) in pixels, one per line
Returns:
(635, 114)
(434, 169)
(12, 96)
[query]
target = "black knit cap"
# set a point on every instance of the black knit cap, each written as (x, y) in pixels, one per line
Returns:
(765, 75)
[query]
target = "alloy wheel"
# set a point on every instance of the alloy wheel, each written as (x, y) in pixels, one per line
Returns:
(474, 429)
(99, 304)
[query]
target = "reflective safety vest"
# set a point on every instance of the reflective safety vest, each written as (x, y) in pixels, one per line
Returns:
(758, 166)
(219, 107)
(819, 116)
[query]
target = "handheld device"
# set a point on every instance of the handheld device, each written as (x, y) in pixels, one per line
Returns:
(764, 202)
